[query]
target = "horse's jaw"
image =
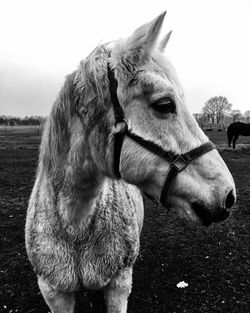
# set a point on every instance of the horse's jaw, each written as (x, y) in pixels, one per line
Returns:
(200, 214)
(185, 212)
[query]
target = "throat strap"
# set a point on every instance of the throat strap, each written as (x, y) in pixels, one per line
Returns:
(119, 117)
(118, 110)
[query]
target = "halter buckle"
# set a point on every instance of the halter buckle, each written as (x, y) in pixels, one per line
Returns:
(180, 163)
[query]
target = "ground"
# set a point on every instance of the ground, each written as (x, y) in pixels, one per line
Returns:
(214, 261)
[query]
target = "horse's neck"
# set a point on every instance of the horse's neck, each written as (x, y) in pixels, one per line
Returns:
(70, 175)
(77, 204)
(81, 187)
(67, 154)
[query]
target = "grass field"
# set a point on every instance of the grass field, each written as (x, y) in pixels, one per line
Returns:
(214, 261)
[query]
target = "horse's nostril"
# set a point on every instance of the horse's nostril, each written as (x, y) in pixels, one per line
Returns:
(230, 199)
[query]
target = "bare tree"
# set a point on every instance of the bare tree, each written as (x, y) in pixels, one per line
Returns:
(247, 115)
(216, 107)
(236, 115)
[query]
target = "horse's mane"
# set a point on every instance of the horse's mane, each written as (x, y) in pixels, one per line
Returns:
(82, 95)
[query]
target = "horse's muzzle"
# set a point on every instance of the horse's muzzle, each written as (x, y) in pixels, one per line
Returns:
(214, 214)
(208, 216)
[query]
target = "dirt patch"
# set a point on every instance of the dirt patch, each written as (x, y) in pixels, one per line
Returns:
(215, 262)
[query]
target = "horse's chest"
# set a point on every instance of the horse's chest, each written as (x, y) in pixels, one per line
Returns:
(112, 243)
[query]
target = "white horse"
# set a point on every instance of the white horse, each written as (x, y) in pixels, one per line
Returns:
(118, 127)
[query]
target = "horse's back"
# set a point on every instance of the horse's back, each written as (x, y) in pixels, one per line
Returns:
(239, 128)
(234, 126)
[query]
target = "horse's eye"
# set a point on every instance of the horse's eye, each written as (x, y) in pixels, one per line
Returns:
(164, 106)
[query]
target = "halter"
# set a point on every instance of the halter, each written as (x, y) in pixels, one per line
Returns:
(178, 162)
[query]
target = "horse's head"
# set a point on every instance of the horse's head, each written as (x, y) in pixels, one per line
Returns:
(132, 79)
(154, 106)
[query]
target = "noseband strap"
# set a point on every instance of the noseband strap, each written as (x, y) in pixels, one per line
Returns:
(177, 162)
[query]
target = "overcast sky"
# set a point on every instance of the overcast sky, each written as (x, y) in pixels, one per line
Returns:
(41, 41)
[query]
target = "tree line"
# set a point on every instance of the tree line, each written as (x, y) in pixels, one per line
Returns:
(217, 111)
(27, 120)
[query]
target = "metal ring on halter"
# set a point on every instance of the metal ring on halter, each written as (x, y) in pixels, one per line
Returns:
(180, 163)
(122, 121)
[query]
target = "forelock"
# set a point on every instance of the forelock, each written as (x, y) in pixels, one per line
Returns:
(165, 68)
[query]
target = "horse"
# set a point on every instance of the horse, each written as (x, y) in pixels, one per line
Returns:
(234, 130)
(119, 128)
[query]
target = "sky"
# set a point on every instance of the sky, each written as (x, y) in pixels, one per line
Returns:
(41, 41)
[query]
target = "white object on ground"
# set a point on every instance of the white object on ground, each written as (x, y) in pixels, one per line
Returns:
(182, 284)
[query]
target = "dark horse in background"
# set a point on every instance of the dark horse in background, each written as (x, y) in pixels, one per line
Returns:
(236, 129)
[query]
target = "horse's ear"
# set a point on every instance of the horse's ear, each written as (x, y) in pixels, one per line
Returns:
(143, 40)
(164, 41)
